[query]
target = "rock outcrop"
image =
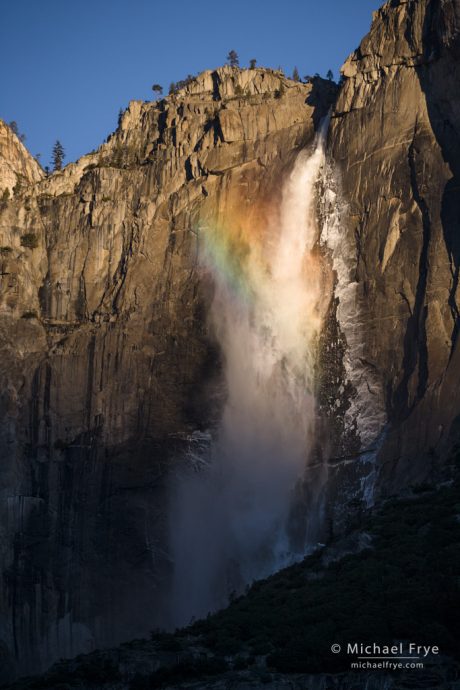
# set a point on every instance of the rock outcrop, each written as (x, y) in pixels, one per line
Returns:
(106, 363)
(17, 167)
(395, 142)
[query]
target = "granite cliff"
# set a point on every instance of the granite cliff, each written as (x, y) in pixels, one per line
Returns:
(109, 371)
(394, 140)
(107, 367)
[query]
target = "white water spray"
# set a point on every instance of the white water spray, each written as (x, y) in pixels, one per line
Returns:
(229, 522)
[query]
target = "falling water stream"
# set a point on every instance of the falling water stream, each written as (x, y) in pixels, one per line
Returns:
(229, 522)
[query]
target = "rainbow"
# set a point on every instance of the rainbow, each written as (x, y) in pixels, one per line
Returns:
(235, 250)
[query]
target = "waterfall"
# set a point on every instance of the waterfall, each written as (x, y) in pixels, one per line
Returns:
(229, 522)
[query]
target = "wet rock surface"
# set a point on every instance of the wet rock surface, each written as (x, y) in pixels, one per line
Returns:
(394, 140)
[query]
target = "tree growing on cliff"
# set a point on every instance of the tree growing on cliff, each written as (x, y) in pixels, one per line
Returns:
(233, 59)
(295, 74)
(330, 75)
(157, 88)
(252, 63)
(13, 125)
(58, 155)
(172, 88)
(182, 83)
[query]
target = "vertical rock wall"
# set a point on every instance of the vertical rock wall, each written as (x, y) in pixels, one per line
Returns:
(394, 141)
(106, 367)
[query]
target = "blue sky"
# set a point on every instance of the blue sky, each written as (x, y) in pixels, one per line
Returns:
(68, 66)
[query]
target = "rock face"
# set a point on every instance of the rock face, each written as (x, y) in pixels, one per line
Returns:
(395, 143)
(106, 363)
(17, 167)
